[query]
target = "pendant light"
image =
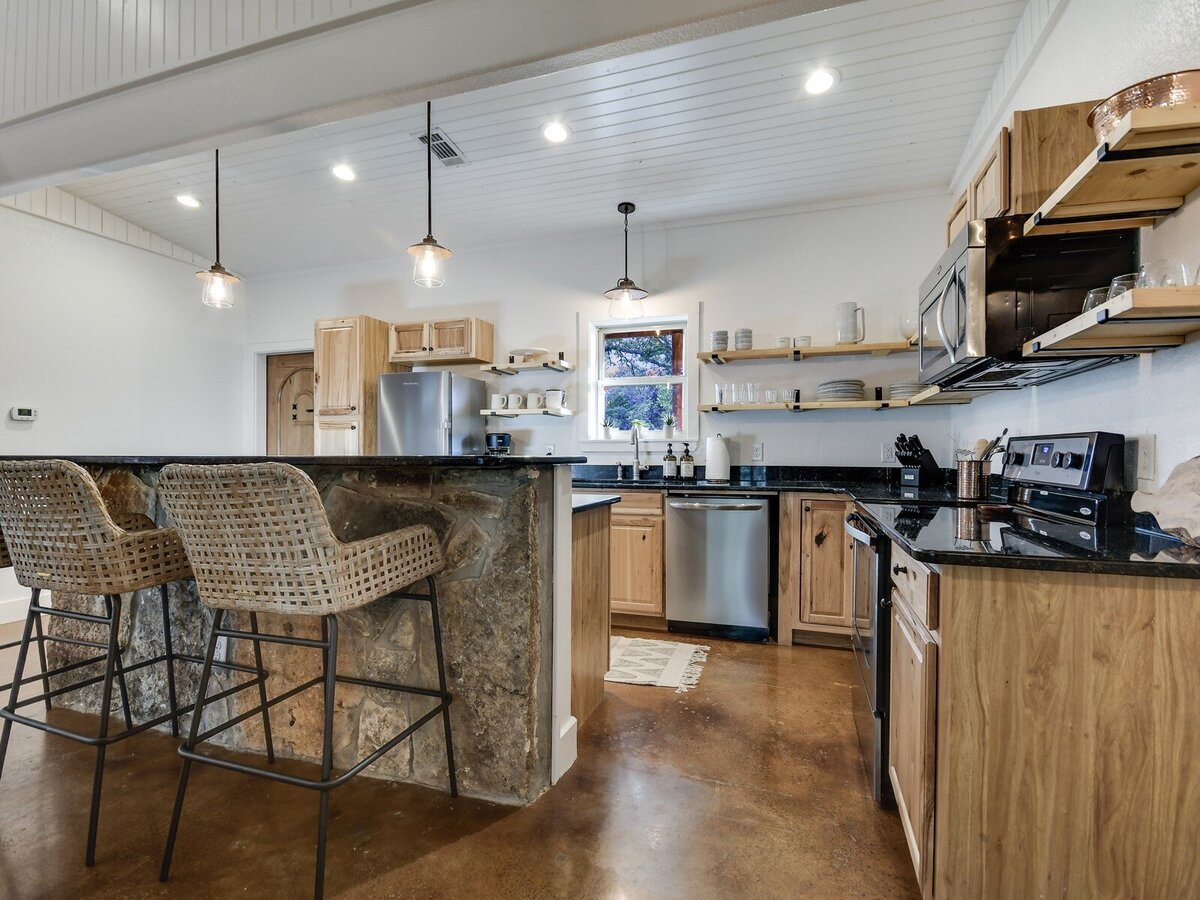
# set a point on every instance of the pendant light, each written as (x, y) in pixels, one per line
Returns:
(218, 282)
(429, 255)
(626, 298)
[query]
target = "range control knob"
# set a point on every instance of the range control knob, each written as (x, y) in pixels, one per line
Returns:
(1014, 458)
(1064, 459)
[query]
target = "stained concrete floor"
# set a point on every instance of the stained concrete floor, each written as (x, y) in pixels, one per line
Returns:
(748, 786)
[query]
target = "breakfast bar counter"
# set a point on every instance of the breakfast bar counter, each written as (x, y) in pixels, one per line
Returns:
(504, 524)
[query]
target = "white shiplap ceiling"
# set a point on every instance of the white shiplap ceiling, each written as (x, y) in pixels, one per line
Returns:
(717, 127)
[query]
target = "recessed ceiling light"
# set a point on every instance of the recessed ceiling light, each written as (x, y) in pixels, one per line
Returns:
(188, 200)
(820, 80)
(343, 172)
(555, 132)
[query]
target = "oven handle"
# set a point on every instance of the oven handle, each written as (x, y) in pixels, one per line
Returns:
(941, 314)
(858, 533)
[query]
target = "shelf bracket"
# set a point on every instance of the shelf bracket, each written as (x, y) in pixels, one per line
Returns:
(1103, 318)
(1104, 153)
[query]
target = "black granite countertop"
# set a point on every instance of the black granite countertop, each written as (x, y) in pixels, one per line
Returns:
(482, 461)
(966, 536)
(584, 502)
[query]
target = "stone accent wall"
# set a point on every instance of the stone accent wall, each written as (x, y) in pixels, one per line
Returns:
(495, 525)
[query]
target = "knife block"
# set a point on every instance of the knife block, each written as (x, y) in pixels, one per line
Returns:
(925, 474)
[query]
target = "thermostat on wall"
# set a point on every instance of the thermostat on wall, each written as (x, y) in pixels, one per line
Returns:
(23, 414)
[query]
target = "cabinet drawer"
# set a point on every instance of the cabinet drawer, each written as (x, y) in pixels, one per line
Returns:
(917, 587)
(638, 503)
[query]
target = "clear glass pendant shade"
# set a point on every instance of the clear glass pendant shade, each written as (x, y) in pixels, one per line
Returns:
(220, 287)
(625, 300)
(429, 263)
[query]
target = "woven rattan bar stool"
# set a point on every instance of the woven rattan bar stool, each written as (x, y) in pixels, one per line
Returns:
(60, 537)
(259, 540)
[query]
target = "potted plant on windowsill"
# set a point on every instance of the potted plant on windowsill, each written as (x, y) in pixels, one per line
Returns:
(608, 427)
(668, 427)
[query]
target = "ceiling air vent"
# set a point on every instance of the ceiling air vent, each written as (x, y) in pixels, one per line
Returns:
(444, 149)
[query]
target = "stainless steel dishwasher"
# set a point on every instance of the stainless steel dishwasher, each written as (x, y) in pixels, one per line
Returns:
(718, 564)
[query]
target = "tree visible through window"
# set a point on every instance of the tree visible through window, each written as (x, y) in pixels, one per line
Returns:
(641, 376)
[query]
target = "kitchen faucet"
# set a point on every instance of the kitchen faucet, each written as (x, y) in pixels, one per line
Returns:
(635, 439)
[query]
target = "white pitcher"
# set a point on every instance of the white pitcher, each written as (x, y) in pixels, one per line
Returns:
(851, 326)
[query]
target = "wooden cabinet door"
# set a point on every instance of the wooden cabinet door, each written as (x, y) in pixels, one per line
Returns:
(825, 563)
(912, 737)
(408, 341)
(990, 188)
(636, 565)
(337, 377)
(338, 437)
(957, 220)
(450, 338)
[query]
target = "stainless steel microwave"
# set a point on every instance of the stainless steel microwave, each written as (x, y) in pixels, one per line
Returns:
(994, 289)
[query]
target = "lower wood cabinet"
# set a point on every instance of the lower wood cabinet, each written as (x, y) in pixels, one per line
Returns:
(338, 437)
(912, 735)
(826, 595)
(637, 564)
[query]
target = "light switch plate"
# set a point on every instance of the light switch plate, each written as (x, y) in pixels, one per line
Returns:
(756, 452)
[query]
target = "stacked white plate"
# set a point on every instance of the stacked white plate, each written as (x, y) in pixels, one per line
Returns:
(719, 340)
(743, 339)
(902, 390)
(842, 389)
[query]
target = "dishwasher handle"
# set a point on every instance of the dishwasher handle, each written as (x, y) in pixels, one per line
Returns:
(859, 534)
(721, 507)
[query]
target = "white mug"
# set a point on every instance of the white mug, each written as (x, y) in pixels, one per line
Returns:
(783, 342)
(804, 340)
(515, 401)
(555, 398)
(850, 323)
(499, 401)
(534, 401)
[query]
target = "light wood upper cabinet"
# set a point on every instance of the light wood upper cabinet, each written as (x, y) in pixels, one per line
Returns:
(465, 340)
(912, 737)
(636, 564)
(349, 355)
(336, 361)
(1025, 164)
(989, 191)
(826, 595)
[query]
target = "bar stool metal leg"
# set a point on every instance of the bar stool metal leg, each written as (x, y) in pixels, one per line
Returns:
(170, 651)
(110, 668)
(15, 691)
(193, 732)
(262, 690)
(441, 664)
(329, 633)
(114, 614)
(41, 639)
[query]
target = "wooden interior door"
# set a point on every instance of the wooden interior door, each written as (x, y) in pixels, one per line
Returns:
(290, 404)
(337, 378)
(826, 564)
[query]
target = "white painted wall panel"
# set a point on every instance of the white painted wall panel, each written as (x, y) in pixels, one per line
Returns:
(59, 51)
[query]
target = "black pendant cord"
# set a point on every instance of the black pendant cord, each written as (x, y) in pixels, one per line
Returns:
(217, 202)
(429, 167)
(626, 246)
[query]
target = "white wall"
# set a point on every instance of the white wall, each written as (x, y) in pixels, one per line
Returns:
(777, 275)
(112, 345)
(1152, 394)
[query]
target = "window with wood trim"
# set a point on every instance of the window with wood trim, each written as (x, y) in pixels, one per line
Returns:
(641, 375)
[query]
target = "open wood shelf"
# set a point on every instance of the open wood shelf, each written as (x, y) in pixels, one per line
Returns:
(513, 413)
(796, 354)
(541, 365)
(1139, 321)
(1149, 163)
(932, 396)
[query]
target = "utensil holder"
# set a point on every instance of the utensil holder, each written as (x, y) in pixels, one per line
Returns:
(972, 479)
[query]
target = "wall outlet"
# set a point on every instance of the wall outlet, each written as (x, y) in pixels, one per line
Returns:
(756, 452)
(221, 654)
(1145, 456)
(887, 452)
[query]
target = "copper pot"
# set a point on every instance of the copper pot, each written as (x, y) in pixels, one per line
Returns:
(1172, 89)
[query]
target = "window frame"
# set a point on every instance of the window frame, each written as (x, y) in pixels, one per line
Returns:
(599, 381)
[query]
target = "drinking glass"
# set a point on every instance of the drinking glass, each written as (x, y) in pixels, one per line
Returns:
(1164, 273)
(1121, 284)
(1095, 297)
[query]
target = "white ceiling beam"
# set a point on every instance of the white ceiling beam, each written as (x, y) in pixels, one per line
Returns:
(426, 51)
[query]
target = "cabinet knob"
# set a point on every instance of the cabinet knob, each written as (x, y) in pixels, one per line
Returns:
(898, 569)
(353, 409)
(354, 428)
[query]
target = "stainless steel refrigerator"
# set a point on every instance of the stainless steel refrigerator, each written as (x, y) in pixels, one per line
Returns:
(431, 414)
